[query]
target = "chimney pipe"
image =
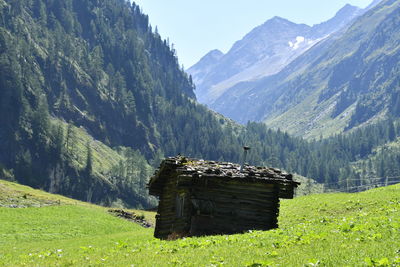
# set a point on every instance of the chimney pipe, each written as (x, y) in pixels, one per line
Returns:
(245, 149)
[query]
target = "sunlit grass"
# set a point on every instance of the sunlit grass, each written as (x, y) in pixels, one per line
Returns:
(326, 230)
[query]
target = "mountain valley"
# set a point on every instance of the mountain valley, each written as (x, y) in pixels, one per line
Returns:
(92, 98)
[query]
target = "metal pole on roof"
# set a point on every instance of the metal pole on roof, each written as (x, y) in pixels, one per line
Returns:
(245, 149)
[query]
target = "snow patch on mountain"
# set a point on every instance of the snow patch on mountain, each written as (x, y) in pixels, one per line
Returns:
(295, 45)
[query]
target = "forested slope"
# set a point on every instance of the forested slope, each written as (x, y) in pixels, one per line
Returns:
(97, 65)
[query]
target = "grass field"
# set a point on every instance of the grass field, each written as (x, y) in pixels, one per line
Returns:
(318, 230)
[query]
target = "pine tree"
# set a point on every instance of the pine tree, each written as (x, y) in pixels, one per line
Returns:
(70, 140)
(59, 145)
(391, 130)
(89, 162)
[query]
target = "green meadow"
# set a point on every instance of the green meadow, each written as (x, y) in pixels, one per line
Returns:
(361, 229)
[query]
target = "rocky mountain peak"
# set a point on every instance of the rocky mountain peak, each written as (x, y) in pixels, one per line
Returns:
(264, 51)
(212, 55)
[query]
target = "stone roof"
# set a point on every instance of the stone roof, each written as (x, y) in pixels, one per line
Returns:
(198, 168)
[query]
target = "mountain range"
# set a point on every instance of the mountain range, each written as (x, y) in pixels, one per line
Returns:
(262, 52)
(294, 96)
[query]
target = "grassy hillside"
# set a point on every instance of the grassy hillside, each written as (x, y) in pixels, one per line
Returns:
(327, 230)
(104, 158)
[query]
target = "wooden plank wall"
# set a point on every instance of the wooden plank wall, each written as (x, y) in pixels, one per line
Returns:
(166, 220)
(238, 207)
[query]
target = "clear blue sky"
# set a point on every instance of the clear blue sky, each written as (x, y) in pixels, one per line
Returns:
(198, 26)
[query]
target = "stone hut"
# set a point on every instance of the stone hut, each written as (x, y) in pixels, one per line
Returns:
(198, 197)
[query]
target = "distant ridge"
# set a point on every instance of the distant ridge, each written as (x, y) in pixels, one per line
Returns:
(262, 52)
(349, 79)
